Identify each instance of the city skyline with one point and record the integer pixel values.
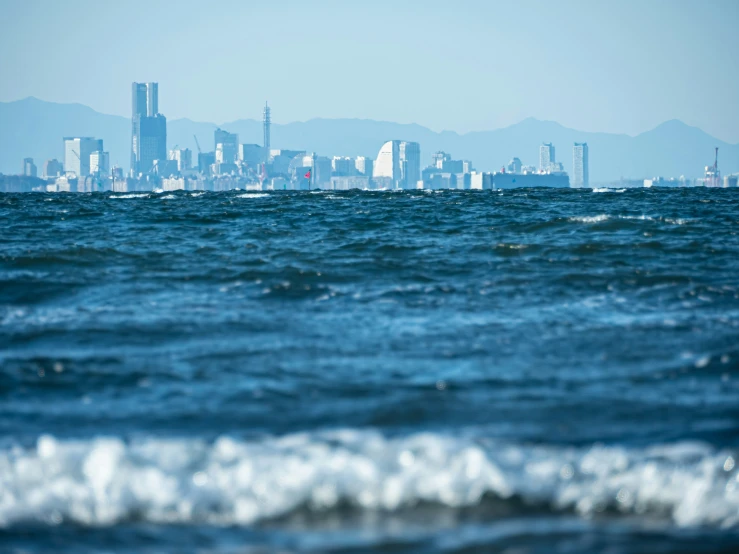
(594, 79)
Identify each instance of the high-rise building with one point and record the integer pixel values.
(53, 168)
(227, 146)
(205, 161)
(251, 155)
(77, 152)
(267, 125)
(99, 163)
(546, 156)
(514, 166)
(580, 169)
(438, 159)
(149, 128)
(399, 163)
(343, 166)
(364, 165)
(29, 168)
(410, 159)
(183, 157)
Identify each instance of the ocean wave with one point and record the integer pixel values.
(253, 195)
(589, 218)
(105, 481)
(607, 189)
(143, 195)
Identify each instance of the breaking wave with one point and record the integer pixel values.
(105, 481)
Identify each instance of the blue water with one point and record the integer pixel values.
(519, 371)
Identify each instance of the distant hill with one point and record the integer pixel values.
(35, 128)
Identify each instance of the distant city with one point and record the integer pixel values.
(234, 165)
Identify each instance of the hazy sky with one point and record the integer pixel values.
(594, 65)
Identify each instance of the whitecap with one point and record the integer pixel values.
(104, 481)
(252, 195)
(146, 195)
(589, 218)
(607, 189)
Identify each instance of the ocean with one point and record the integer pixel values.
(518, 371)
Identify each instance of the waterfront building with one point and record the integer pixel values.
(580, 169)
(364, 166)
(53, 168)
(29, 168)
(251, 155)
(226, 146)
(148, 128)
(546, 156)
(361, 182)
(205, 161)
(77, 151)
(511, 180)
(183, 157)
(99, 163)
(438, 159)
(398, 164)
(165, 168)
(480, 180)
(514, 166)
(343, 166)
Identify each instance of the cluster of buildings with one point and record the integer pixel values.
(232, 164)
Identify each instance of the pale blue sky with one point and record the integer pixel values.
(612, 66)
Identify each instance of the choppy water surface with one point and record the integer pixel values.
(518, 371)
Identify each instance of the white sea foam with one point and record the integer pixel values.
(252, 195)
(144, 195)
(589, 218)
(106, 480)
(606, 189)
(197, 194)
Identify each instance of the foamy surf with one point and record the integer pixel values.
(105, 481)
(143, 195)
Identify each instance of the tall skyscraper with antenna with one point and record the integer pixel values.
(267, 122)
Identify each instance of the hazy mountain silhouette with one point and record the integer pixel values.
(35, 128)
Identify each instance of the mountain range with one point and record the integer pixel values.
(34, 128)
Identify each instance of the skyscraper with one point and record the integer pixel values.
(100, 163)
(77, 152)
(29, 168)
(53, 168)
(227, 146)
(398, 163)
(580, 169)
(149, 128)
(410, 159)
(267, 124)
(364, 165)
(546, 156)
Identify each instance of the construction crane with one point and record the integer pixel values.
(197, 144)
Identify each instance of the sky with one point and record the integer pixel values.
(601, 66)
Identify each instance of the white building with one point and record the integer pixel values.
(343, 166)
(546, 156)
(580, 169)
(100, 163)
(364, 165)
(398, 164)
(183, 157)
(77, 152)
